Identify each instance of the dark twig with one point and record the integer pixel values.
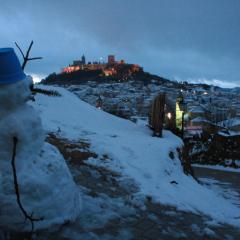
(26, 57)
(46, 92)
(29, 217)
(20, 50)
(35, 58)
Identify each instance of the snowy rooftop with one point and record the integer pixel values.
(196, 109)
(200, 119)
(232, 122)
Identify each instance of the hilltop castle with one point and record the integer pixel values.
(111, 68)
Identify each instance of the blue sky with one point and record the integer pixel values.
(179, 39)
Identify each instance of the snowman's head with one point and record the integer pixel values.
(15, 94)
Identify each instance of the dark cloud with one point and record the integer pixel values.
(174, 38)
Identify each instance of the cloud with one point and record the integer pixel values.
(188, 38)
(214, 82)
(37, 77)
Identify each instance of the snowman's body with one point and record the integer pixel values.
(46, 186)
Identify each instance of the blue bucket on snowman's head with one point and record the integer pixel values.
(10, 68)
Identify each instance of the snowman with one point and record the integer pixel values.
(35, 183)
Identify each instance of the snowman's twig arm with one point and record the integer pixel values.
(35, 58)
(20, 50)
(26, 57)
(29, 217)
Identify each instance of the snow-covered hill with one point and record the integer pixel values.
(134, 153)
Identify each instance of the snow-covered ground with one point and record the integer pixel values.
(134, 153)
(222, 188)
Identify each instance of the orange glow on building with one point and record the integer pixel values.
(84, 67)
(110, 72)
(109, 69)
(70, 69)
(94, 66)
(136, 68)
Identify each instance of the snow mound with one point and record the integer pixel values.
(47, 190)
(134, 153)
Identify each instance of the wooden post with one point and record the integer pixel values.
(156, 119)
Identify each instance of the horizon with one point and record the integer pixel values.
(183, 41)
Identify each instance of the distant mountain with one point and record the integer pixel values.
(236, 90)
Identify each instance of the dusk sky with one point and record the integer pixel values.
(193, 40)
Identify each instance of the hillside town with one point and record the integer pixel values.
(205, 110)
(125, 90)
(206, 117)
(195, 112)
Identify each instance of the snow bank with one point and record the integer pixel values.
(135, 153)
(47, 191)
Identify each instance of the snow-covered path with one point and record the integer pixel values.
(226, 183)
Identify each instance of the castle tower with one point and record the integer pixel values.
(111, 59)
(83, 60)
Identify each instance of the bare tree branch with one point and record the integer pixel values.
(27, 216)
(35, 58)
(20, 50)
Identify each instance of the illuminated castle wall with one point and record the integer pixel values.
(109, 69)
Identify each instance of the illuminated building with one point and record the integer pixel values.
(95, 66)
(169, 115)
(70, 69)
(79, 62)
(112, 68)
(179, 113)
(136, 68)
(111, 59)
(110, 72)
(179, 116)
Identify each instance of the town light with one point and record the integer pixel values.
(169, 115)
